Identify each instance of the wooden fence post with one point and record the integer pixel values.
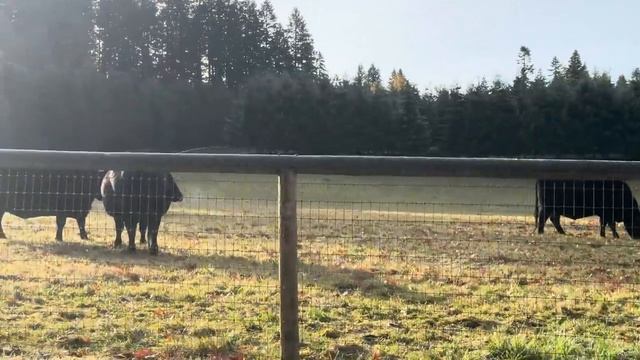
(288, 228)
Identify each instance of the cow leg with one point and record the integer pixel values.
(603, 225)
(81, 219)
(130, 223)
(612, 225)
(542, 219)
(143, 231)
(61, 220)
(154, 225)
(119, 226)
(555, 220)
(2, 235)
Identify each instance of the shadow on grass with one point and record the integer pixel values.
(342, 280)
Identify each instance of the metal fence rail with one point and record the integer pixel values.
(379, 256)
(324, 165)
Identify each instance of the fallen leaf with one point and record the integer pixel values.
(143, 354)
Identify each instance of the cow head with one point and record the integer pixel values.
(633, 227)
(632, 221)
(174, 191)
(96, 184)
(633, 230)
(177, 194)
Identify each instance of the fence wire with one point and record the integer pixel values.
(389, 268)
(212, 292)
(455, 268)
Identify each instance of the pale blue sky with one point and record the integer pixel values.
(460, 41)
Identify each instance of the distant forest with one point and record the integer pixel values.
(170, 75)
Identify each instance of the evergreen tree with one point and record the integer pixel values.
(360, 77)
(635, 74)
(448, 123)
(523, 78)
(212, 16)
(373, 80)
(576, 70)
(556, 70)
(254, 56)
(411, 128)
(634, 82)
(125, 34)
(539, 81)
(234, 66)
(178, 42)
(301, 43)
(321, 68)
(533, 116)
(275, 43)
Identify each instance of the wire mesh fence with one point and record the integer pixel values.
(455, 268)
(211, 292)
(388, 267)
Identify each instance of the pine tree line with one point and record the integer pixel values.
(568, 113)
(169, 75)
(212, 41)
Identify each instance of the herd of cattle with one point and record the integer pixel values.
(132, 198)
(136, 198)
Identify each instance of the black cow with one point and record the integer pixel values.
(136, 197)
(60, 193)
(611, 200)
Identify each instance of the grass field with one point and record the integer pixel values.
(390, 268)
